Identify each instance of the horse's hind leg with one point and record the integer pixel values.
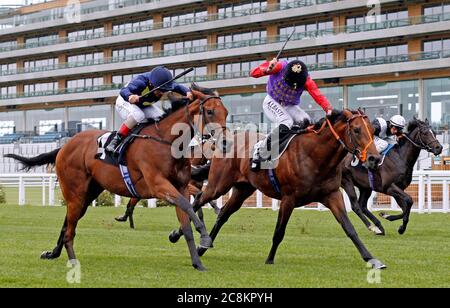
(349, 188)
(74, 213)
(335, 203)
(286, 207)
(364, 196)
(240, 193)
(129, 212)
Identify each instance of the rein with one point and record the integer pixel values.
(421, 146)
(356, 152)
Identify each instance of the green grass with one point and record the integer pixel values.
(315, 251)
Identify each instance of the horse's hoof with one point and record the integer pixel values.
(120, 219)
(384, 215)
(401, 230)
(270, 262)
(201, 251)
(206, 242)
(199, 267)
(376, 230)
(376, 264)
(174, 236)
(48, 255)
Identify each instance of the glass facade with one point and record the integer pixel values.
(41, 39)
(85, 33)
(386, 99)
(50, 87)
(45, 120)
(436, 45)
(312, 59)
(185, 44)
(30, 65)
(237, 67)
(240, 6)
(123, 79)
(174, 20)
(11, 122)
(84, 83)
(8, 91)
(135, 26)
(8, 67)
(437, 102)
(443, 8)
(241, 36)
(85, 57)
(89, 117)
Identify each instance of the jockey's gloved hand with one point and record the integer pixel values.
(329, 112)
(190, 96)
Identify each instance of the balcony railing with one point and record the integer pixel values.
(223, 46)
(162, 25)
(243, 74)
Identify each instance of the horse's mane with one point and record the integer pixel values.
(336, 116)
(206, 91)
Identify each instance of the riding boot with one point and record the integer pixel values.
(265, 151)
(114, 144)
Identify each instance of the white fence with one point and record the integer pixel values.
(430, 192)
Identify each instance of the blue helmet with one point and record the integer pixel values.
(159, 75)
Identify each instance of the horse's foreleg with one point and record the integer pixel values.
(364, 196)
(239, 195)
(286, 207)
(335, 202)
(349, 188)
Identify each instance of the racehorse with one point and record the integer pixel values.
(154, 170)
(201, 154)
(392, 177)
(309, 171)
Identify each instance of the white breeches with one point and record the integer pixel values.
(125, 110)
(287, 115)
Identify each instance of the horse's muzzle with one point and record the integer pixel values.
(373, 161)
(437, 150)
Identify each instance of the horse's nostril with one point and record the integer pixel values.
(371, 158)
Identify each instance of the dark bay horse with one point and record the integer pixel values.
(154, 170)
(309, 171)
(201, 154)
(392, 177)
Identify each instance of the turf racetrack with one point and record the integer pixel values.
(314, 253)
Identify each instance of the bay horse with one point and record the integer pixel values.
(392, 177)
(200, 157)
(155, 172)
(309, 171)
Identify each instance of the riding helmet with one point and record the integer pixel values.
(296, 74)
(398, 121)
(160, 75)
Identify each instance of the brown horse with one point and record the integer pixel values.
(154, 170)
(201, 154)
(309, 171)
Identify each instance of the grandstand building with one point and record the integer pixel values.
(62, 62)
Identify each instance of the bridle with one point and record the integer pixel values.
(353, 149)
(421, 145)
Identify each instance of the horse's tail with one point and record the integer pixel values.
(200, 174)
(40, 160)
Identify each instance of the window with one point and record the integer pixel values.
(222, 39)
(144, 50)
(312, 59)
(85, 57)
(32, 65)
(367, 53)
(85, 34)
(443, 8)
(40, 40)
(129, 27)
(9, 91)
(84, 83)
(236, 67)
(123, 79)
(386, 16)
(231, 8)
(302, 28)
(179, 46)
(437, 45)
(175, 20)
(9, 67)
(8, 44)
(30, 89)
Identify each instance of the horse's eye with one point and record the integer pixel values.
(210, 112)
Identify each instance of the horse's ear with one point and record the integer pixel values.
(427, 122)
(414, 118)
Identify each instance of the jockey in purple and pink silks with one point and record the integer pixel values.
(287, 82)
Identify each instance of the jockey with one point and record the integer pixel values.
(286, 84)
(134, 109)
(388, 132)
